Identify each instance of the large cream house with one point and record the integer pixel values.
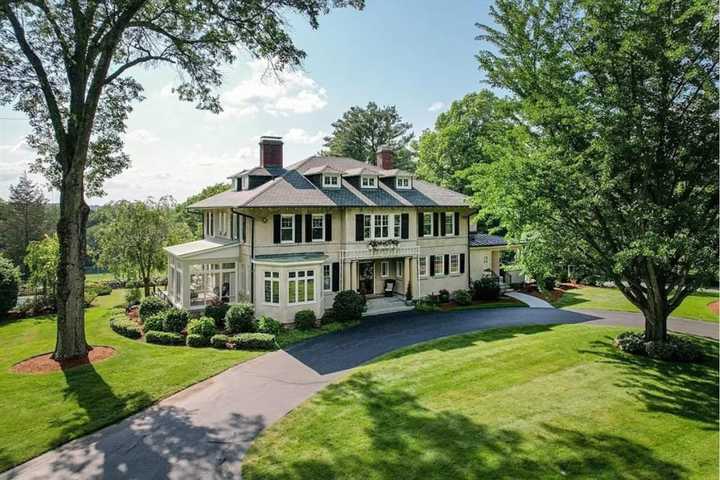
(288, 238)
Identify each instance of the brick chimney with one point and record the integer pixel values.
(271, 152)
(384, 158)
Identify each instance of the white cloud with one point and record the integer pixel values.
(14, 160)
(298, 135)
(276, 93)
(436, 106)
(141, 136)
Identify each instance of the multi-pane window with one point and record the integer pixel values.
(272, 287)
(287, 228)
(427, 223)
(318, 228)
(368, 182)
(327, 277)
(331, 181)
(301, 287)
(402, 183)
(439, 264)
(422, 266)
(450, 223)
(382, 226)
(384, 269)
(455, 263)
(396, 225)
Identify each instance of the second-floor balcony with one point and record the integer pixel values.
(380, 249)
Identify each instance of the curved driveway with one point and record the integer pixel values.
(203, 431)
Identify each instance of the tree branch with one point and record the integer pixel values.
(132, 63)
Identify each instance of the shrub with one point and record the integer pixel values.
(101, 288)
(90, 295)
(9, 285)
(547, 284)
(203, 326)
(154, 323)
(133, 297)
(239, 318)
(222, 341)
(328, 317)
(674, 348)
(462, 297)
(426, 304)
(631, 342)
(175, 320)
(305, 319)
(487, 288)
(217, 310)
(269, 325)
(194, 340)
(150, 306)
(348, 306)
(125, 327)
(444, 296)
(164, 338)
(254, 341)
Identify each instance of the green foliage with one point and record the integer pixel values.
(222, 341)
(305, 319)
(443, 296)
(101, 290)
(175, 320)
(269, 325)
(195, 340)
(462, 297)
(164, 338)
(362, 131)
(90, 295)
(203, 326)
(9, 285)
(42, 262)
(254, 341)
(150, 306)
(217, 311)
(125, 327)
(348, 306)
(617, 172)
(239, 318)
(133, 296)
(426, 304)
(154, 323)
(486, 288)
(674, 348)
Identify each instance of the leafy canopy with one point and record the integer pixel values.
(42, 261)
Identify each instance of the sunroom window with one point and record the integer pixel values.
(211, 282)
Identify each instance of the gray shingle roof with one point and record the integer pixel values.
(486, 240)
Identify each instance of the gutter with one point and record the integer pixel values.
(252, 253)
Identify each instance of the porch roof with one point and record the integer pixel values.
(199, 246)
(305, 257)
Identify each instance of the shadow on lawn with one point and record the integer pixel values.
(682, 389)
(410, 441)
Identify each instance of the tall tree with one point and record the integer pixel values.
(360, 132)
(194, 219)
(467, 134)
(67, 65)
(24, 218)
(130, 244)
(620, 168)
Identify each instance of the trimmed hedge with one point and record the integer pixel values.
(269, 325)
(175, 320)
(348, 306)
(164, 338)
(194, 340)
(239, 318)
(203, 326)
(254, 341)
(151, 306)
(154, 323)
(305, 319)
(462, 297)
(125, 327)
(221, 341)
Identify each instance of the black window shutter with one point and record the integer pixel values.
(436, 224)
(328, 227)
(308, 228)
(212, 224)
(232, 226)
(359, 227)
(243, 224)
(442, 224)
(432, 265)
(462, 263)
(421, 224)
(298, 228)
(447, 264)
(336, 276)
(404, 226)
(204, 223)
(276, 228)
(457, 223)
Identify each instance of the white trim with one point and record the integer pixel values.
(429, 234)
(427, 267)
(326, 176)
(457, 271)
(403, 187)
(297, 281)
(330, 276)
(292, 227)
(384, 266)
(274, 280)
(451, 232)
(372, 181)
(441, 272)
(321, 216)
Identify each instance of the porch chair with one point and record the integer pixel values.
(389, 288)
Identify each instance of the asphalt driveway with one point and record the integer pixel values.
(203, 431)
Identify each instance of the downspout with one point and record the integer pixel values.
(252, 254)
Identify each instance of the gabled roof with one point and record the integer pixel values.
(270, 171)
(291, 188)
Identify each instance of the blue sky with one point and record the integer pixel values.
(416, 55)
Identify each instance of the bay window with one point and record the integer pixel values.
(272, 288)
(301, 287)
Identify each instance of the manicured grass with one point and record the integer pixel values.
(694, 307)
(288, 337)
(534, 402)
(43, 411)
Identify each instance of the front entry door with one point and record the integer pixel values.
(367, 278)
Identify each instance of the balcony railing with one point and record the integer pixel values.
(379, 251)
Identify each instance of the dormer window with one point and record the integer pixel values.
(331, 181)
(245, 182)
(402, 183)
(368, 181)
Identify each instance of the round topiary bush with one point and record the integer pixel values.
(673, 349)
(239, 318)
(348, 306)
(305, 319)
(175, 320)
(194, 340)
(150, 306)
(9, 285)
(125, 327)
(154, 323)
(269, 325)
(203, 326)
(462, 297)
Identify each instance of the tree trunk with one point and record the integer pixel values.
(655, 324)
(146, 285)
(74, 212)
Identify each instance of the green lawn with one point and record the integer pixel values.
(534, 402)
(43, 411)
(694, 307)
(98, 277)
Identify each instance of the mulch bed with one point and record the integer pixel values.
(714, 307)
(44, 364)
(555, 295)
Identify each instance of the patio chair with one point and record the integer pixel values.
(389, 288)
